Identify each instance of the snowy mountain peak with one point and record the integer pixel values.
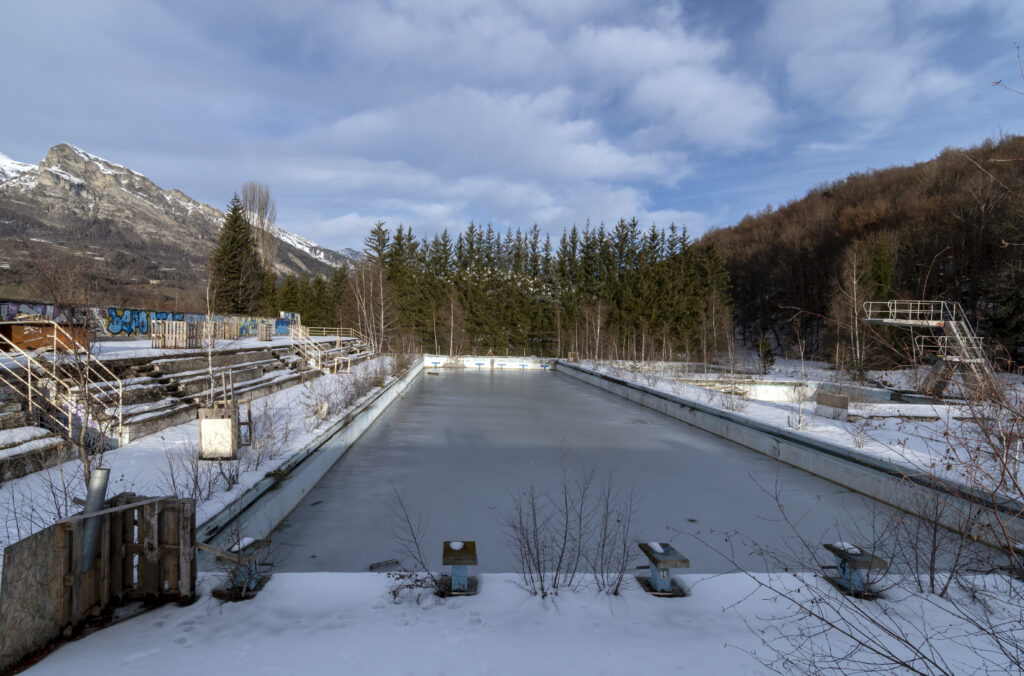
(105, 166)
(11, 169)
(71, 188)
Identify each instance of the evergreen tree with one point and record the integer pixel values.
(236, 276)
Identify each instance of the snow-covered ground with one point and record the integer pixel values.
(347, 623)
(159, 464)
(932, 437)
(328, 623)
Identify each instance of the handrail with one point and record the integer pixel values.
(105, 371)
(30, 389)
(915, 310)
(308, 348)
(67, 389)
(323, 331)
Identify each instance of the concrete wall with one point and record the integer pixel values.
(126, 322)
(792, 391)
(904, 487)
(258, 511)
(486, 363)
(33, 587)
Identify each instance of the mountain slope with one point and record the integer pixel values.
(72, 193)
(951, 228)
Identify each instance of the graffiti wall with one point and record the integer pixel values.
(123, 322)
(11, 309)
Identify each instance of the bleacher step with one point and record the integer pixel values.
(30, 456)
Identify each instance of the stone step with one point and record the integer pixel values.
(16, 436)
(30, 456)
(141, 423)
(200, 361)
(12, 419)
(135, 390)
(252, 389)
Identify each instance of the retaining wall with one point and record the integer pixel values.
(904, 487)
(487, 363)
(259, 510)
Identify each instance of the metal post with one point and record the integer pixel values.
(94, 499)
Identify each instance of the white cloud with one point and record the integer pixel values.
(860, 60)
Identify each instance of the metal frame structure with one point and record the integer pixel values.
(958, 348)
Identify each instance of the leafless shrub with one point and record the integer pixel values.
(247, 566)
(270, 434)
(554, 536)
(184, 475)
(408, 532)
(40, 499)
(612, 549)
(323, 398)
(229, 472)
(918, 617)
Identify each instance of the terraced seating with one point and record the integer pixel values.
(177, 386)
(155, 394)
(27, 449)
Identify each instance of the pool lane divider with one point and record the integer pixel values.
(903, 486)
(262, 507)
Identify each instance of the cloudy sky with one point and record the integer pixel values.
(552, 112)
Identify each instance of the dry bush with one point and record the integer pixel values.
(408, 532)
(184, 475)
(270, 434)
(555, 535)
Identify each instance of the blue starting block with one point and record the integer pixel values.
(436, 363)
(663, 558)
(501, 367)
(479, 365)
(522, 366)
(854, 566)
(460, 554)
(545, 366)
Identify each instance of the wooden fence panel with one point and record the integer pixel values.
(146, 551)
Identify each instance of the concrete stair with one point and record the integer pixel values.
(28, 449)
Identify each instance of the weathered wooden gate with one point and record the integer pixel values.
(146, 551)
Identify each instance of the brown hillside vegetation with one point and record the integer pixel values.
(951, 228)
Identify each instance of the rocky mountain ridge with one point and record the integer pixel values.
(72, 189)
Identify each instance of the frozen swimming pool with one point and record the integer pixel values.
(460, 442)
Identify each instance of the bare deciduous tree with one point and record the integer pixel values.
(261, 212)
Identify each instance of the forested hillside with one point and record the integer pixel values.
(951, 228)
(619, 293)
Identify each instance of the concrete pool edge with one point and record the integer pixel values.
(257, 511)
(903, 487)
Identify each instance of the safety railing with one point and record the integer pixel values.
(913, 311)
(309, 349)
(26, 376)
(50, 383)
(323, 331)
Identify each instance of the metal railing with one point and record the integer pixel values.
(323, 331)
(923, 311)
(309, 349)
(959, 344)
(48, 380)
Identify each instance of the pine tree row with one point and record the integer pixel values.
(619, 293)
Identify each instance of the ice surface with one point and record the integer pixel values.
(461, 444)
